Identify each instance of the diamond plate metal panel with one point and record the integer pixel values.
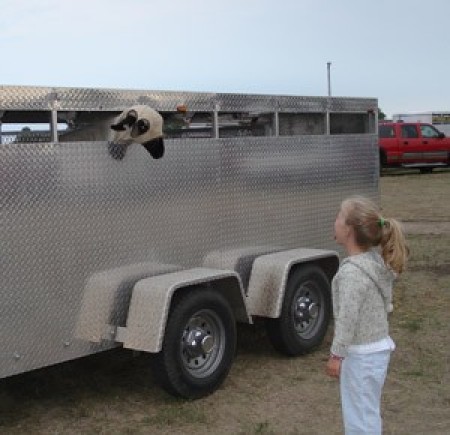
(69, 211)
(353, 105)
(113, 99)
(280, 191)
(60, 98)
(25, 98)
(302, 104)
(246, 103)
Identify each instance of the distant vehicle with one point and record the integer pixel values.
(413, 145)
(440, 120)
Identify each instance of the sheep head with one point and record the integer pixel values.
(138, 124)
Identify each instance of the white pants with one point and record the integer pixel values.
(361, 383)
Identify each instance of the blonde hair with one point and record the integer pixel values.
(372, 229)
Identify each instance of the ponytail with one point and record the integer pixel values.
(393, 245)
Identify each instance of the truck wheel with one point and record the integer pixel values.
(305, 313)
(199, 345)
(426, 170)
(383, 161)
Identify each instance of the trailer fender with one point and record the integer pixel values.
(270, 274)
(151, 300)
(106, 298)
(240, 260)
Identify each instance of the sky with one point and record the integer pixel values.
(394, 50)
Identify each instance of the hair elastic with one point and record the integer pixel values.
(381, 222)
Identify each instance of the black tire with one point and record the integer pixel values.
(426, 170)
(199, 345)
(382, 161)
(305, 313)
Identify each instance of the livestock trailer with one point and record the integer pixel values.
(232, 224)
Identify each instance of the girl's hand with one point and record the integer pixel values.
(334, 367)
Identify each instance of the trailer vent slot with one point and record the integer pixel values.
(352, 123)
(245, 124)
(296, 124)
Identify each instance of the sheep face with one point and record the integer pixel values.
(139, 124)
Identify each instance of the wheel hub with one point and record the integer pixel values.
(305, 309)
(198, 342)
(202, 343)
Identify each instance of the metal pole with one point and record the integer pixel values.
(276, 123)
(216, 121)
(54, 117)
(54, 125)
(327, 120)
(329, 78)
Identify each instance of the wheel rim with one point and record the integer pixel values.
(307, 309)
(202, 343)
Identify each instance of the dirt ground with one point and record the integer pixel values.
(265, 393)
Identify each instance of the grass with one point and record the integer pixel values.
(265, 393)
(412, 325)
(173, 415)
(421, 322)
(421, 197)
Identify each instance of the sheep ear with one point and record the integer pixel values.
(155, 147)
(117, 127)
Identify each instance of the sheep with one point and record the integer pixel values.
(143, 125)
(138, 124)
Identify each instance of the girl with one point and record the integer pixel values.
(362, 299)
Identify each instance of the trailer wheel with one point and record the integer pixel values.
(305, 313)
(199, 345)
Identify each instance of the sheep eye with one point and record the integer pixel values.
(143, 125)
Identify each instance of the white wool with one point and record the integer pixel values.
(143, 112)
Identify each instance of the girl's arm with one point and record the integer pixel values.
(350, 294)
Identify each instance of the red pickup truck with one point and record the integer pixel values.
(416, 145)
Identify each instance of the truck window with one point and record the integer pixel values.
(409, 131)
(386, 131)
(429, 131)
